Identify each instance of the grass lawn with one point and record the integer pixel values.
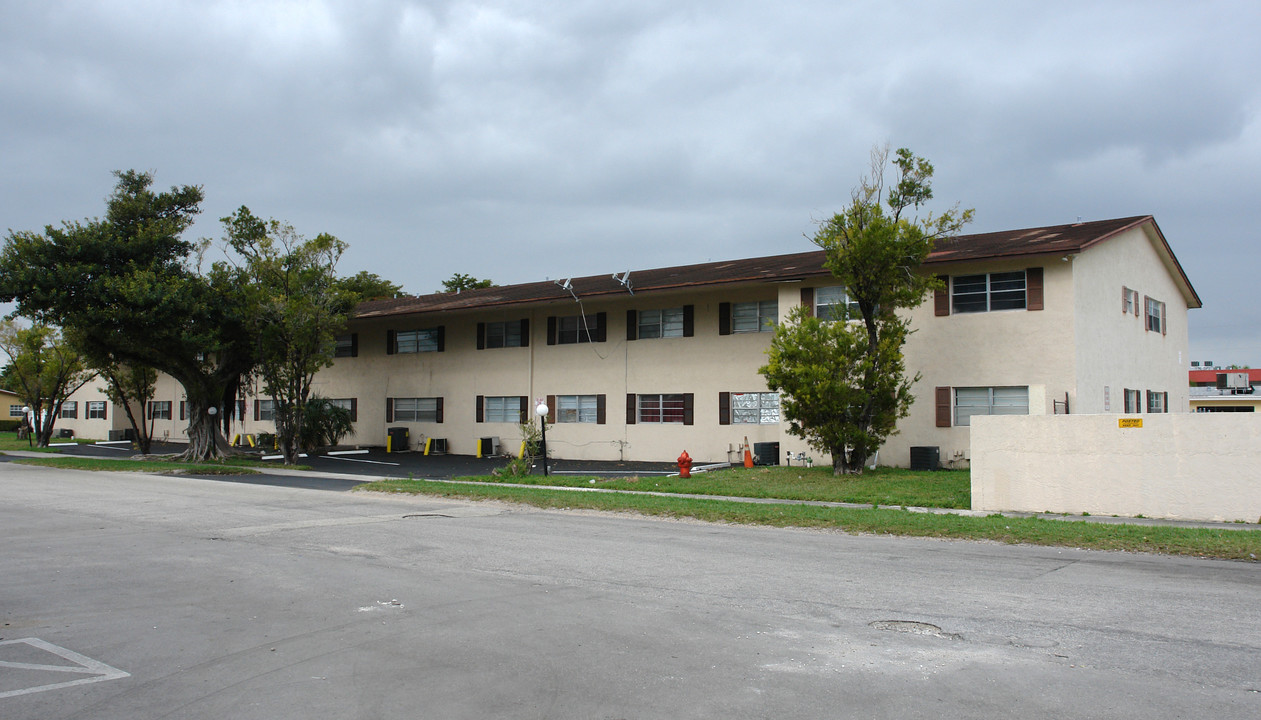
(1196, 542)
(885, 486)
(9, 441)
(227, 467)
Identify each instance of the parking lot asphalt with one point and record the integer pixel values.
(376, 462)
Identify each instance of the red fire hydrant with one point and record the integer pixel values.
(685, 465)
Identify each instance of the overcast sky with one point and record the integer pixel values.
(526, 140)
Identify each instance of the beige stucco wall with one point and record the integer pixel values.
(1114, 350)
(704, 365)
(1032, 348)
(1185, 466)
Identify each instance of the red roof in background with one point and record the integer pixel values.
(1210, 376)
(1056, 239)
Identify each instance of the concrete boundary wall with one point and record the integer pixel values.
(1185, 466)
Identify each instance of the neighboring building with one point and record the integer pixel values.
(1083, 318)
(1214, 390)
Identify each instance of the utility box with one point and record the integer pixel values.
(126, 434)
(766, 453)
(925, 458)
(396, 439)
(65, 432)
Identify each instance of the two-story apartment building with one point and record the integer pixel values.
(1088, 317)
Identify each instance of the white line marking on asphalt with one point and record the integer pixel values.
(374, 462)
(113, 442)
(83, 666)
(347, 452)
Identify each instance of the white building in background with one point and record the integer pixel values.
(1082, 318)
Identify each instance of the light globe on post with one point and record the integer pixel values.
(541, 410)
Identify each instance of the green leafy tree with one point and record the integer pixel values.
(46, 370)
(370, 286)
(459, 282)
(132, 388)
(843, 382)
(300, 307)
(131, 288)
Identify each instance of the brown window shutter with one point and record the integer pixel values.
(481, 336)
(523, 409)
(630, 409)
(689, 320)
(601, 326)
(479, 413)
(354, 409)
(440, 404)
(807, 300)
(442, 338)
(551, 329)
(943, 406)
(525, 332)
(551, 409)
(1164, 319)
(1146, 325)
(389, 410)
(632, 325)
(600, 409)
(1033, 288)
(389, 342)
(183, 410)
(104, 411)
(240, 409)
(941, 297)
(256, 409)
(149, 411)
(724, 318)
(1125, 300)
(689, 412)
(724, 408)
(354, 344)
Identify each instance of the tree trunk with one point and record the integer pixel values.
(205, 442)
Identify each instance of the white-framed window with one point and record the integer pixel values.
(505, 409)
(971, 401)
(1157, 402)
(661, 408)
(95, 410)
(159, 409)
(1133, 401)
(70, 410)
(834, 303)
(988, 292)
(503, 334)
(416, 341)
(661, 323)
(755, 408)
(1129, 301)
(751, 317)
(416, 409)
(577, 408)
(266, 409)
(15, 411)
(1154, 312)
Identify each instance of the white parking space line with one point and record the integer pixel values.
(98, 671)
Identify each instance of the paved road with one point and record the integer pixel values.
(185, 598)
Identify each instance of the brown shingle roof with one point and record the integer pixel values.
(777, 268)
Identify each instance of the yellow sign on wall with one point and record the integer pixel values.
(1130, 423)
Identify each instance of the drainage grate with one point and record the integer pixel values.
(914, 627)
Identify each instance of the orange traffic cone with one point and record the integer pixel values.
(748, 454)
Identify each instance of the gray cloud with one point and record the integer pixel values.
(518, 140)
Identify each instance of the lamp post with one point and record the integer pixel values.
(29, 423)
(541, 411)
